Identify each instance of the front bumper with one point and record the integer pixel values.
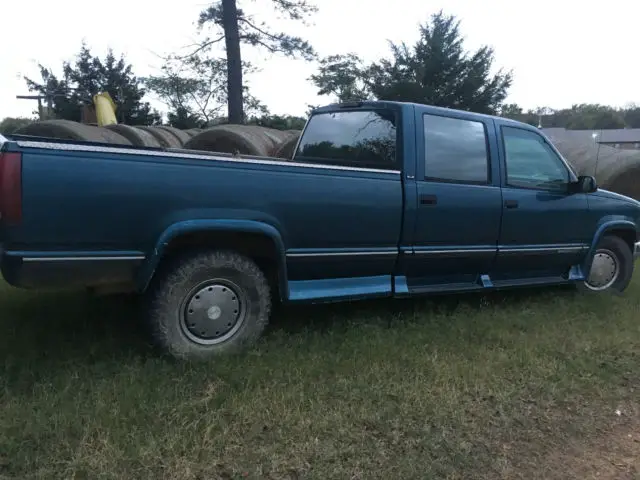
(636, 250)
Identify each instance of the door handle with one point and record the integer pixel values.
(511, 203)
(428, 199)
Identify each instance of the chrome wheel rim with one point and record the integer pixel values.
(604, 270)
(213, 312)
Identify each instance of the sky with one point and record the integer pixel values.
(561, 52)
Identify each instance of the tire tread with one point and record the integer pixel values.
(167, 294)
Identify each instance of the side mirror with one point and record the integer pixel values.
(586, 184)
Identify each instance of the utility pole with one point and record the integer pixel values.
(39, 98)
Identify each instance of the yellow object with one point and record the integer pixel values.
(105, 109)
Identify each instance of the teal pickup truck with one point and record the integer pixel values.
(380, 199)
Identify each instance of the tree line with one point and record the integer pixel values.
(586, 116)
(206, 83)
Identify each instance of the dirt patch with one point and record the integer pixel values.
(615, 454)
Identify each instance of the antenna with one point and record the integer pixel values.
(595, 135)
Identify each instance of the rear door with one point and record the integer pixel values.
(459, 201)
(341, 215)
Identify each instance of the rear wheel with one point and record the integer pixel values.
(209, 304)
(612, 267)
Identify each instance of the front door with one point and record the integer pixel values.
(543, 231)
(459, 202)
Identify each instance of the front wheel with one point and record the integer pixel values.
(209, 304)
(612, 267)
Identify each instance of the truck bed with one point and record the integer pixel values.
(86, 203)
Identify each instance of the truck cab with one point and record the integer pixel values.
(486, 202)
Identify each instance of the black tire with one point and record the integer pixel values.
(614, 252)
(228, 281)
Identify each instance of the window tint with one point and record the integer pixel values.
(531, 162)
(455, 150)
(353, 138)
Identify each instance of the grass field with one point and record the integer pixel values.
(541, 384)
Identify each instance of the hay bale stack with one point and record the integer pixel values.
(137, 136)
(241, 139)
(617, 170)
(176, 132)
(192, 132)
(276, 137)
(165, 137)
(287, 148)
(68, 130)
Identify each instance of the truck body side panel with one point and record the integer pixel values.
(334, 223)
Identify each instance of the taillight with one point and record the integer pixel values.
(10, 187)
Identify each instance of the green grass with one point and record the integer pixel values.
(500, 386)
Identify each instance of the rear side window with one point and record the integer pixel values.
(455, 150)
(358, 138)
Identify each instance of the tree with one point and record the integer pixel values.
(89, 75)
(435, 70)
(631, 115)
(195, 90)
(510, 110)
(11, 124)
(279, 122)
(344, 76)
(592, 117)
(584, 116)
(225, 21)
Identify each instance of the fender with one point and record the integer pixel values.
(148, 268)
(607, 224)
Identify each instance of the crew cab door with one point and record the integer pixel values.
(544, 226)
(459, 203)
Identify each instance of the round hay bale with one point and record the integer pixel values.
(192, 132)
(287, 148)
(614, 169)
(231, 139)
(627, 182)
(176, 132)
(279, 135)
(68, 130)
(274, 136)
(137, 136)
(164, 137)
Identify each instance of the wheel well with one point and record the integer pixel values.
(626, 234)
(258, 247)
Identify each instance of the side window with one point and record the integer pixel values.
(355, 138)
(455, 150)
(531, 162)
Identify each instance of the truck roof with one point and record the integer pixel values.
(417, 106)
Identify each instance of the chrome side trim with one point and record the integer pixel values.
(193, 156)
(341, 254)
(542, 250)
(82, 259)
(455, 251)
(449, 251)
